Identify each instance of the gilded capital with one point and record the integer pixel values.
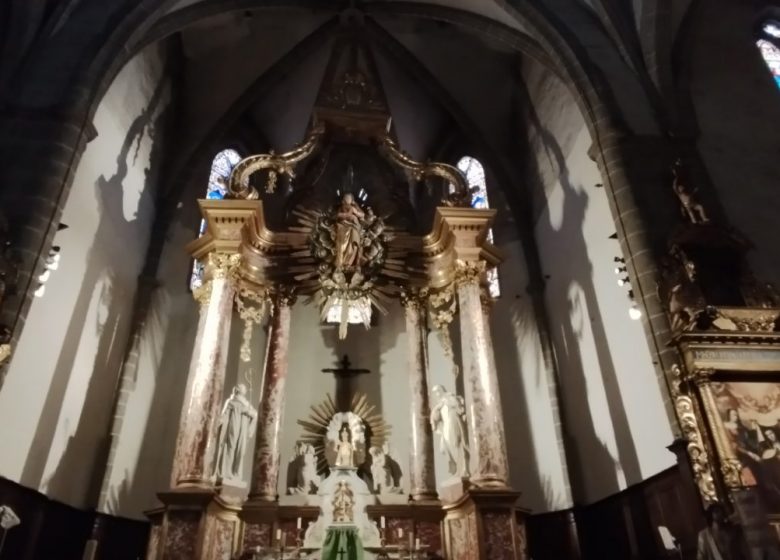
(469, 272)
(414, 298)
(285, 296)
(222, 265)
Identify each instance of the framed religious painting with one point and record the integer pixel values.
(744, 413)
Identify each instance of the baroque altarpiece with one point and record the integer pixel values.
(347, 222)
(726, 389)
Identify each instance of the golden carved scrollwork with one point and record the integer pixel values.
(461, 195)
(731, 469)
(689, 424)
(252, 307)
(277, 164)
(469, 272)
(730, 465)
(414, 298)
(442, 308)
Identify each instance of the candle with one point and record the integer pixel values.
(400, 533)
(298, 524)
(278, 535)
(417, 544)
(382, 522)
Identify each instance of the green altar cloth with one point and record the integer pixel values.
(342, 543)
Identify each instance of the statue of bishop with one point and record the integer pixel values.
(235, 427)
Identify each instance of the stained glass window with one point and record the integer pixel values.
(475, 177)
(221, 166)
(768, 45)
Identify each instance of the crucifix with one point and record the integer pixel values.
(341, 551)
(344, 375)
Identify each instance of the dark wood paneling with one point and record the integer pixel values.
(623, 526)
(50, 529)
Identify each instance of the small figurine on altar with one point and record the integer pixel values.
(344, 449)
(343, 504)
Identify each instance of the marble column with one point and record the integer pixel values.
(421, 469)
(265, 469)
(192, 464)
(489, 465)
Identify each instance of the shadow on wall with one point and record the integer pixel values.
(508, 326)
(598, 463)
(112, 225)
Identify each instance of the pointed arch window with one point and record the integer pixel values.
(221, 166)
(475, 178)
(769, 45)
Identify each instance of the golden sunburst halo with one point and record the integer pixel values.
(315, 428)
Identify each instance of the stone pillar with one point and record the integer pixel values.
(203, 397)
(489, 467)
(265, 469)
(421, 469)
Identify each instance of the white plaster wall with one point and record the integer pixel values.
(612, 403)
(537, 463)
(56, 400)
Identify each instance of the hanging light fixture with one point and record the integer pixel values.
(634, 312)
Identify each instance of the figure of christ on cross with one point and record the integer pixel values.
(344, 375)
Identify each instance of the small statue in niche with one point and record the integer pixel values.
(691, 208)
(235, 427)
(343, 503)
(302, 477)
(385, 471)
(344, 449)
(448, 420)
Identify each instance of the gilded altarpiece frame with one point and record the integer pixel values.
(736, 380)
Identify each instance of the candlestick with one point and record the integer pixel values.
(411, 542)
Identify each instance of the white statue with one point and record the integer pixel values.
(302, 472)
(344, 450)
(235, 427)
(448, 420)
(309, 477)
(379, 469)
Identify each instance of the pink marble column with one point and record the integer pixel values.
(265, 470)
(192, 464)
(421, 470)
(489, 465)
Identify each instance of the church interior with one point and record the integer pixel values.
(389, 279)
